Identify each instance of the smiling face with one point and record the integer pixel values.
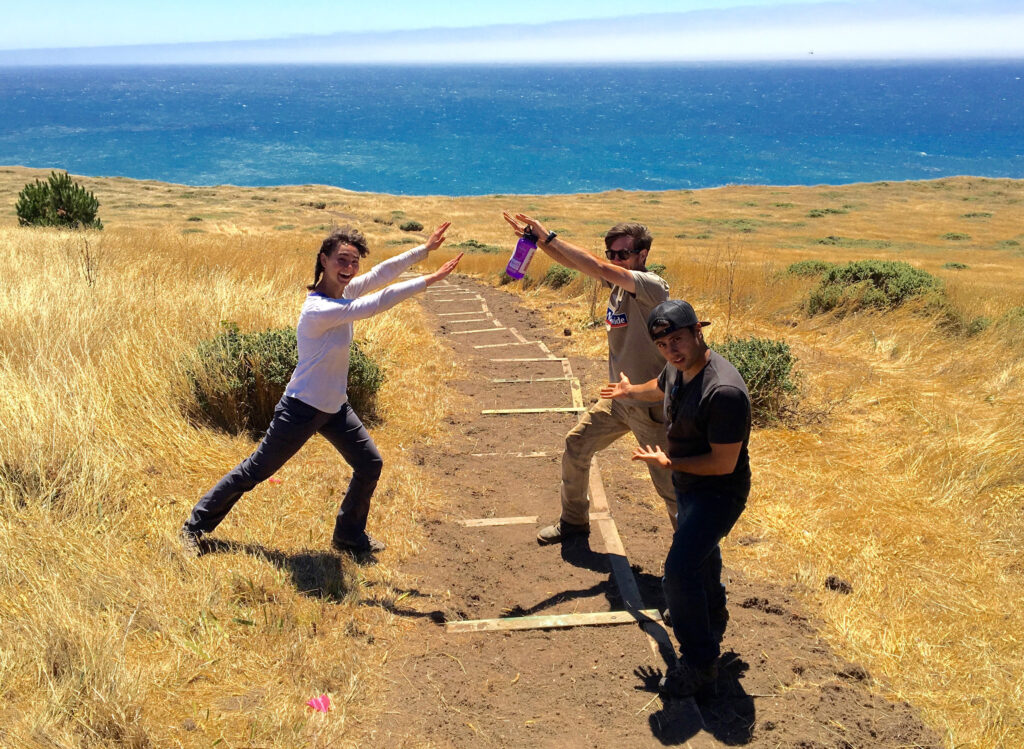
(684, 349)
(633, 260)
(340, 267)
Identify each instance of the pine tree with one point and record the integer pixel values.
(58, 202)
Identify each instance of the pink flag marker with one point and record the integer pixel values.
(274, 480)
(321, 704)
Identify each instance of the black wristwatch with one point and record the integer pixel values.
(551, 235)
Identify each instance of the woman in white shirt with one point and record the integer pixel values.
(315, 399)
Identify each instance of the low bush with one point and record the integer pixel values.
(237, 378)
(767, 368)
(558, 276)
(880, 284)
(820, 212)
(505, 279)
(60, 201)
(955, 236)
(955, 266)
(978, 325)
(411, 226)
(658, 268)
(809, 268)
(472, 245)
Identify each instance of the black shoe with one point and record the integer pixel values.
(365, 544)
(560, 531)
(684, 680)
(191, 542)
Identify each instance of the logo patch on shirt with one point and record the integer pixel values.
(616, 319)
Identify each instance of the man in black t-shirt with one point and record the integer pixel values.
(707, 417)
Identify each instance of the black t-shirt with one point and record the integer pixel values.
(713, 407)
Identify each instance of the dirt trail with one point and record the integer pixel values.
(587, 685)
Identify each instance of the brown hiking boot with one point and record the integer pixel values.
(560, 531)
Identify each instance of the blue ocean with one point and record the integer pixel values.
(473, 130)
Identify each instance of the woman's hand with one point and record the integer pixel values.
(653, 455)
(437, 238)
(620, 389)
(533, 224)
(444, 270)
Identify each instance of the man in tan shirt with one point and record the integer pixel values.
(635, 291)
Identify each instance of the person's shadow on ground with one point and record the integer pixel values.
(317, 574)
(728, 714)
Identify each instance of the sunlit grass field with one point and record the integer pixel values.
(900, 472)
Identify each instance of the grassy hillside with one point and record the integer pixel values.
(900, 472)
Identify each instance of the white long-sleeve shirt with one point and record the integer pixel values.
(324, 330)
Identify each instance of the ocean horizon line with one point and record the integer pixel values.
(499, 194)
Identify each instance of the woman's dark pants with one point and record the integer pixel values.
(693, 570)
(293, 424)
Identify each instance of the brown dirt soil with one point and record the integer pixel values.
(779, 683)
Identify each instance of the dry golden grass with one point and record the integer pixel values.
(903, 475)
(108, 636)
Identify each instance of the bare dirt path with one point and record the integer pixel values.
(586, 685)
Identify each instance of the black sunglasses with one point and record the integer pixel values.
(620, 254)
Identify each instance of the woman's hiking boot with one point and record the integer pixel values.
(364, 544)
(191, 542)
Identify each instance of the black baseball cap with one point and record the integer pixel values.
(670, 316)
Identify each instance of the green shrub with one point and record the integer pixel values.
(658, 268)
(472, 245)
(194, 218)
(882, 284)
(318, 204)
(978, 325)
(505, 279)
(558, 276)
(809, 268)
(237, 378)
(820, 212)
(977, 214)
(955, 266)
(955, 236)
(383, 220)
(767, 368)
(57, 202)
(411, 226)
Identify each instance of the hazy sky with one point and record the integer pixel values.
(524, 31)
(88, 23)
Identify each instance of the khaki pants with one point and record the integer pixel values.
(605, 422)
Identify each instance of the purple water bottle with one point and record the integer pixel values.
(522, 254)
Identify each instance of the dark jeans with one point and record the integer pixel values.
(693, 570)
(293, 424)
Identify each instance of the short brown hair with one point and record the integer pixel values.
(641, 237)
(338, 237)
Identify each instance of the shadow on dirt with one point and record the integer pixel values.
(728, 714)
